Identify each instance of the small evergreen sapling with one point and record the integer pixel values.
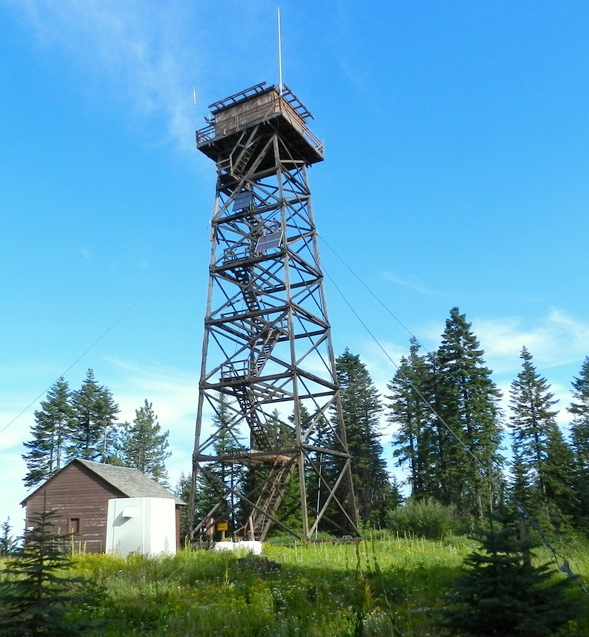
(38, 597)
(502, 594)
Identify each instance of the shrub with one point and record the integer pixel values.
(424, 518)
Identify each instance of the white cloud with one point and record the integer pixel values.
(12, 434)
(554, 340)
(173, 392)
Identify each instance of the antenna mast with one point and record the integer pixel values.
(280, 84)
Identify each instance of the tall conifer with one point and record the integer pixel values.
(543, 463)
(410, 408)
(579, 408)
(50, 435)
(362, 408)
(96, 424)
(469, 431)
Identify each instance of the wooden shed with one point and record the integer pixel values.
(80, 492)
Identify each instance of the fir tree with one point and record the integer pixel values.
(289, 512)
(257, 478)
(95, 433)
(410, 408)
(543, 462)
(501, 594)
(579, 408)
(143, 446)
(50, 435)
(8, 543)
(182, 491)
(469, 432)
(38, 597)
(361, 407)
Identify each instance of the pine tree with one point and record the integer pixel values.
(543, 462)
(501, 594)
(143, 446)
(410, 408)
(50, 435)
(469, 431)
(361, 407)
(95, 433)
(289, 512)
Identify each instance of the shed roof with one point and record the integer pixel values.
(132, 483)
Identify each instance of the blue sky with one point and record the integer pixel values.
(456, 174)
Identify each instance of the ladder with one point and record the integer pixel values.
(270, 498)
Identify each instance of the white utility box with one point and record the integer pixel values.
(141, 525)
(250, 546)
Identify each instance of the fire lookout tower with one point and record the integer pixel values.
(269, 429)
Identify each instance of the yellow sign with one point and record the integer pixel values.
(222, 526)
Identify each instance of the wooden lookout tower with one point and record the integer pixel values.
(270, 445)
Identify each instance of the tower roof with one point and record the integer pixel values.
(258, 89)
(270, 109)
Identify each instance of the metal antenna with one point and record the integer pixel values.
(279, 53)
(194, 104)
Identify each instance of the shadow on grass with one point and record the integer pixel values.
(322, 591)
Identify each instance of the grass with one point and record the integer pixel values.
(375, 588)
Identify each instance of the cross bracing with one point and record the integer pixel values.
(268, 384)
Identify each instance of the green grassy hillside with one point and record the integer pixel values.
(379, 587)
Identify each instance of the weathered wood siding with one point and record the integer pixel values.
(77, 494)
(254, 109)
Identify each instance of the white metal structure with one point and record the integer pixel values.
(141, 525)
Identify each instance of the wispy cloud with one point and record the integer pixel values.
(173, 392)
(13, 490)
(414, 285)
(139, 48)
(554, 340)
(558, 342)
